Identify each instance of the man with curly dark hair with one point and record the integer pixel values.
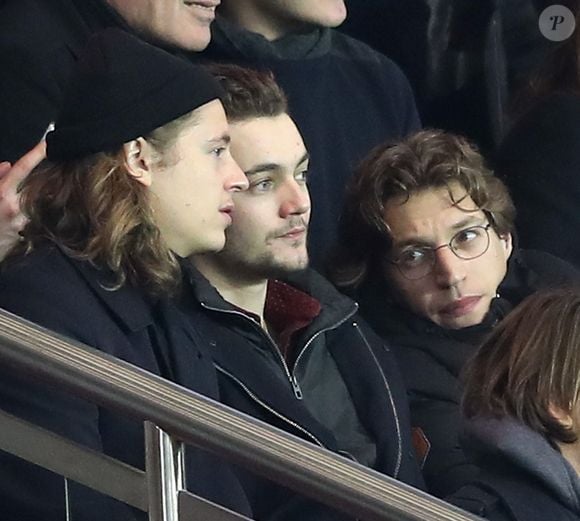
(427, 249)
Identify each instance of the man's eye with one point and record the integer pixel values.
(469, 235)
(262, 186)
(218, 151)
(302, 177)
(412, 257)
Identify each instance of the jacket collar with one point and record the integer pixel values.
(273, 388)
(130, 305)
(87, 17)
(336, 307)
(98, 14)
(514, 443)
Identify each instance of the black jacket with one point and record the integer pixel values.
(339, 360)
(345, 98)
(539, 160)
(523, 476)
(40, 41)
(431, 359)
(67, 296)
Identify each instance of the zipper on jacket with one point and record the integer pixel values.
(268, 408)
(387, 386)
(291, 378)
(318, 333)
(296, 387)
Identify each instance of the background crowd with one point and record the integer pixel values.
(351, 220)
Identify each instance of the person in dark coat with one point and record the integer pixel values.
(289, 349)
(345, 96)
(40, 40)
(539, 159)
(427, 250)
(465, 60)
(522, 411)
(122, 198)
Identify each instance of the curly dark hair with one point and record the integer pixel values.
(427, 159)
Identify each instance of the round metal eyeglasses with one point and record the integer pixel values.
(416, 262)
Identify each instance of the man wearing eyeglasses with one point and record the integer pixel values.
(427, 249)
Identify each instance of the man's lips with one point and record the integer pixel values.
(209, 4)
(461, 307)
(227, 210)
(202, 9)
(294, 233)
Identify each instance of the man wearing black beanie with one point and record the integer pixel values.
(139, 175)
(40, 40)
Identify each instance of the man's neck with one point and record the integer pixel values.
(249, 295)
(252, 18)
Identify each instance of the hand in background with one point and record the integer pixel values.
(11, 218)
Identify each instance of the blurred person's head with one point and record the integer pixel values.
(429, 217)
(268, 235)
(275, 18)
(184, 24)
(528, 369)
(139, 171)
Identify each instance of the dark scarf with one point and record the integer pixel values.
(229, 39)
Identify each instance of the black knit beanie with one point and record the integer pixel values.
(124, 88)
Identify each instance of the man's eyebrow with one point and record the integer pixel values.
(224, 139)
(262, 167)
(303, 159)
(413, 241)
(472, 220)
(271, 167)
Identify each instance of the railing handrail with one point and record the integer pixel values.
(202, 422)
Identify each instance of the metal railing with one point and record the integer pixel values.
(175, 415)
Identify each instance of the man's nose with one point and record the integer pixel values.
(295, 199)
(235, 179)
(449, 268)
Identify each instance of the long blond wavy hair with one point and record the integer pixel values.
(96, 211)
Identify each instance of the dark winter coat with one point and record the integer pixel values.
(40, 41)
(464, 59)
(67, 296)
(540, 162)
(339, 360)
(523, 476)
(431, 359)
(345, 98)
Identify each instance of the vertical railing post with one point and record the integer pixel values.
(164, 464)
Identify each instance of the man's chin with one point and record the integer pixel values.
(280, 268)
(469, 320)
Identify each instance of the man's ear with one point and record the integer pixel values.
(507, 244)
(564, 417)
(139, 160)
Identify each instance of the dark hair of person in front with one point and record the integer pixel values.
(96, 212)
(249, 93)
(425, 160)
(529, 364)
